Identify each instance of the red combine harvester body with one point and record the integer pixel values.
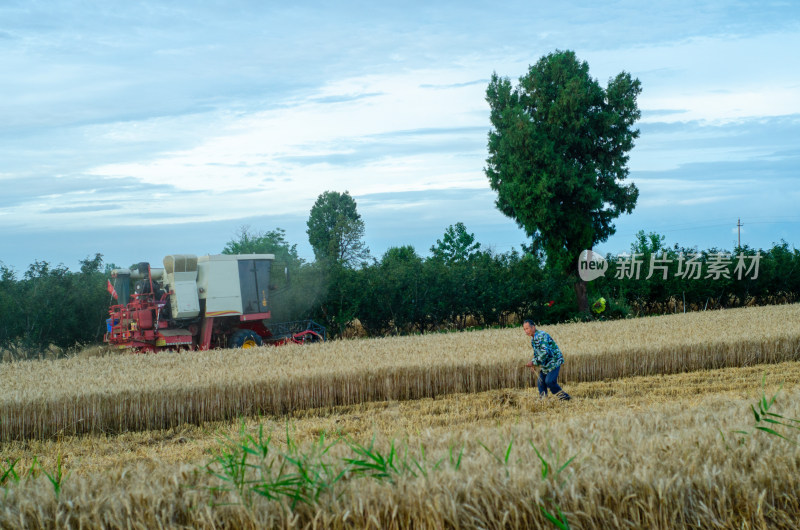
(215, 301)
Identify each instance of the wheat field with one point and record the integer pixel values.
(652, 452)
(121, 393)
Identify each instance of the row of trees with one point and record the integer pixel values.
(460, 283)
(457, 285)
(52, 309)
(654, 279)
(403, 292)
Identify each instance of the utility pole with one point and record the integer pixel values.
(739, 230)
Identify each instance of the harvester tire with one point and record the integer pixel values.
(245, 338)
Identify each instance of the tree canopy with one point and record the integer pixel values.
(336, 230)
(558, 153)
(457, 245)
(287, 262)
(270, 242)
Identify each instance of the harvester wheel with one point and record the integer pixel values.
(245, 338)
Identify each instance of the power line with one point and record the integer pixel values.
(681, 227)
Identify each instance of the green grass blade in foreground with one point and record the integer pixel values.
(775, 433)
(763, 415)
(9, 473)
(559, 522)
(371, 462)
(545, 464)
(56, 478)
(507, 454)
(456, 463)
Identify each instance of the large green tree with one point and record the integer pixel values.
(558, 154)
(336, 230)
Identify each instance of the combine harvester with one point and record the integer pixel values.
(215, 301)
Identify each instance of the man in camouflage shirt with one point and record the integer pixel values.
(548, 358)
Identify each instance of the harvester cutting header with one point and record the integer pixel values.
(215, 301)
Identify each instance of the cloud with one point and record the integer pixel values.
(667, 145)
(39, 189)
(344, 98)
(436, 131)
(82, 209)
(482, 82)
(653, 113)
(366, 150)
(358, 143)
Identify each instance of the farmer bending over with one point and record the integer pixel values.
(548, 358)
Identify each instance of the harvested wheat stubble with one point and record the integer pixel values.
(661, 465)
(439, 418)
(141, 392)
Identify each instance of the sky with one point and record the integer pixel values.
(142, 129)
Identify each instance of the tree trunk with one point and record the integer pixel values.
(580, 293)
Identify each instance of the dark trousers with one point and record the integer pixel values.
(549, 381)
